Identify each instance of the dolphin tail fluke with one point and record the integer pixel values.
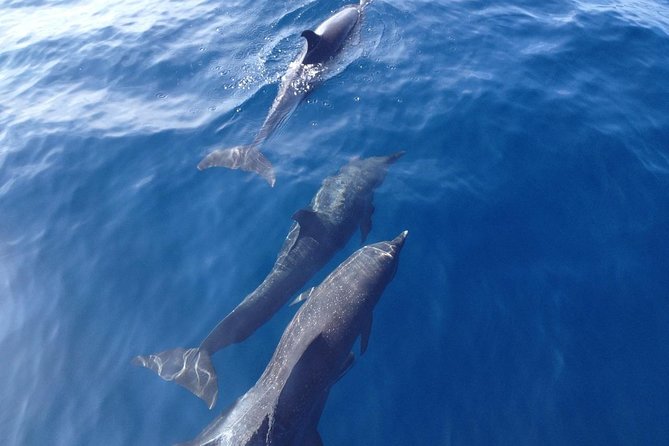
(247, 158)
(190, 368)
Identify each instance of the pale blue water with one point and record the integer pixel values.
(532, 301)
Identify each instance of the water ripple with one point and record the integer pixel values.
(532, 293)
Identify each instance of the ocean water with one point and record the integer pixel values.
(531, 305)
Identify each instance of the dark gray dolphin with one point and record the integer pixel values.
(342, 204)
(283, 407)
(302, 76)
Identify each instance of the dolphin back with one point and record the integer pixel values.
(246, 158)
(190, 368)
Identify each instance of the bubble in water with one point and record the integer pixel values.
(245, 82)
(161, 95)
(356, 99)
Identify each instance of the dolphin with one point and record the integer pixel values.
(341, 205)
(283, 407)
(302, 76)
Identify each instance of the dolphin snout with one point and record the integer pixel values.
(390, 159)
(398, 241)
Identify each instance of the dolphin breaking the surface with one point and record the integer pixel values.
(341, 205)
(302, 76)
(285, 404)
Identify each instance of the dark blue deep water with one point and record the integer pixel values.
(531, 306)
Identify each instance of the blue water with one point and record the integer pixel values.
(531, 305)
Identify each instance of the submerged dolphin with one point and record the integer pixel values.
(284, 406)
(302, 76)
(342, 204)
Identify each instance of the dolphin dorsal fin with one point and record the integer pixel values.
(313, 39)
(310, 223)
(300, 380)
(348, 363)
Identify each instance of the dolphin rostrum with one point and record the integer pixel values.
(341, 205)
(283, 407)
(302, 76)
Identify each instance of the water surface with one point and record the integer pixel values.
(532, 301)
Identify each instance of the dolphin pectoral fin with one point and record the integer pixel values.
(190, 368)
(310, 223)
(348, 363)
(246, 158)
(303, 296)
(364, 334)
(366, 223)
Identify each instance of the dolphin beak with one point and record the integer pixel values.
(390, 159)
(398, 241)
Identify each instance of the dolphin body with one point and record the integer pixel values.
(285, 404)
(302, 76)
(341, 205)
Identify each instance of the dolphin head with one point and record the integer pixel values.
(391, 249)
(371, 171)
(390, 159)
(383, 257)
(381, 162)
